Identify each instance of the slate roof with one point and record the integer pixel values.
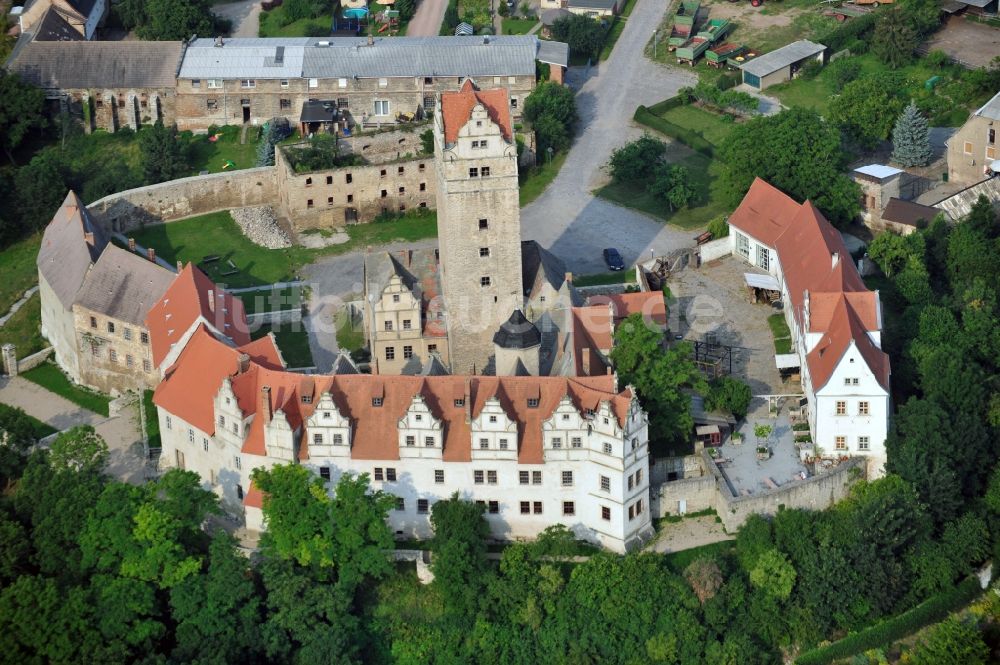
(517, 332)
(123, 285)
(54, 28)
(991, 109)
(68, 65)
(782, 57)
(540, 266)
(66, 253)
(554, 53)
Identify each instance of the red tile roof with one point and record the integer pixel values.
(254, 498)
(456, 108)
(190, 386)
(817, 268)
(648, 303)
(182, 304)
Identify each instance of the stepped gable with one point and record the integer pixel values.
(71, 243)
(456, 108)
(193, 295)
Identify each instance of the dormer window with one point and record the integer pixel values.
(532, 402)
(307, 399)
(459, 402)
(376, 401)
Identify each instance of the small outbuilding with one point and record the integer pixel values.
(782, 64)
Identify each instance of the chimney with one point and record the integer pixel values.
(180, 265)
(243, 363)
(265, 404)
(211, 300)
(131, 245)
(219, 42)
(569, 278)
(834, 259)
(88, 237)
(151, 254)
(371, 40)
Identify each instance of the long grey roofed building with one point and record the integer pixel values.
(124, 285)
(347, 57)
(782, 57)
(64, 65)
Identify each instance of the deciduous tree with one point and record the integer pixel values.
(21, 109)
(867, 108)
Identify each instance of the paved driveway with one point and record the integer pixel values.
(121, 432)
(245, 16)
(426, 21)
(567, 218)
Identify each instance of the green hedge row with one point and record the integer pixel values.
(660, 108)
(450, 20)
(857, 28)
(930, 611)
(688, 137)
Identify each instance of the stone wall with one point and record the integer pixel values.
(12, 366)
(186, 197)
(293, 315)
(696, 493)
(715, 249)
(356, 194)
(113, 361)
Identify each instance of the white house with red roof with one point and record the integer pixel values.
(535, 451)
(836, 322)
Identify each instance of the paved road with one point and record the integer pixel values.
(426, 21)
(245, 16)
(567, 218)
(121, 432)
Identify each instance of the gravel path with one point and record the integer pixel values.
(245, 16)
(426, 21)
(687, 534)
(567, 218)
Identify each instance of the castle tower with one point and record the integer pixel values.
(479, 220)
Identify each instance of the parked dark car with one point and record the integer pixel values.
(613, 259)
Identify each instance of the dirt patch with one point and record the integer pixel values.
(970, 43)
(318, 240)
(749, 17)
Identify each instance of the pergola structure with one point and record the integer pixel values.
(712, 358)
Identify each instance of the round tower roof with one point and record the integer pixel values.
(517, 333)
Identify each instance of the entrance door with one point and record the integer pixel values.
(246, 114)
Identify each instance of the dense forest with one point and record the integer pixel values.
(94, 570)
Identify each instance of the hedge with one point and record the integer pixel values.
(930, 611)
(850, 31)
(688, 137)
(660, 108)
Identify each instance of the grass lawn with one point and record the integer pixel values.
(782, 335)
(350, 337)
(626, 276)
(41, 430)
(711, 126)
(272, 300)
(194, 238)
(537, 178)
(152, 421)
(293, 344)
(627, 9)
(680, 560)
(49, 376)
(614, 32)
(707, 203)
(211, 156)
(17, 266)
(518, 26)
(24, 328)
(274, 23)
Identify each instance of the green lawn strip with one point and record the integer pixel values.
(885, 632)
(678, 561)
(17, 265)
(271, 300)
(783, 345)
(627, 9)
(518, 26)
(707, 202)
(349, 336)
(49, 376)
(605, 278)
(614, 32)
(292, 340)
(216, 233)
(776, 322)
(152, 421)
(271, 25)
(41, 430)
(537, 178)
(24, 328)
(711, 126)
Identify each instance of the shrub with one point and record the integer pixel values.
(729, 394)
(636, 160)
(688, 137)
(719, 227)
(937, 59)
(811, 69)
(850, 35)
(843, 70)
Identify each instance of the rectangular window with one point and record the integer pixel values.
(494, 507)
(473, 172)
(743, 246)
(459, 403)
(378, 473)
(343, 103)
(407, 324)
(423, 506)
(862, 408)
(840, 442)
(536, 477)
(532, 402)
(605, 513)
(522, 477)
(569, 508)
(284, 83)
(503, 444)
(400, 503)
(485, 171)
(484, 280)
(484, 444)
(111, 327)
(576, 442)
(318, 439)
(313, 83)
(477, 477)
(170, 422)
(113, 356)
(383, 83)
(631, 483)
(381, 107)
(129, 361)
(147, 366)
(638, 477)
(390, 353)
(428, 441)
(324, 473)
(239, 462)
(212, 104)
(607, 448)
(493, 419)
(248, 83)
(557, 442)
(204, 444)
(407, 351)
(525, 507)
(195, 83)
(213, 83)
(537, 508)
(513, 102)
(841, 408)
(309, 203)
(410, 440)
(605, 484)
(863, 443)
(491, 477)
(93, 322)
(484, 251)
(763, 257)
(284, 104)
(390, 474)
(968, 147)
(239, 492)
(567, 478)
(127, 333)
(388, 326)
(439, 476)
(483, 224)
(190, 435)
(338, 439)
